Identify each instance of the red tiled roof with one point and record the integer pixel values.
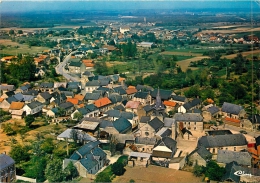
(131, 91)
(16, 105)
(232, 120)
(121, 79)
(1, 99)
(73, 100)
(169, 103)
(79, 97)
(102, 102)
(87, 61)
(132, 104)
(210, 101)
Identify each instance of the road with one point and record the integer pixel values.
(60, 69)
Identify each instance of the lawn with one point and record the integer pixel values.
(13, 48)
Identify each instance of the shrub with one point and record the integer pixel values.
(118, 168)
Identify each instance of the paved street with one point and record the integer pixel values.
(60, 69)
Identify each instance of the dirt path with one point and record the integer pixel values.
(184, 64)
(156, 174)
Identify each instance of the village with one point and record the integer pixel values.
(110, 118)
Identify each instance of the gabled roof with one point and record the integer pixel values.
(89, 162)
(169, 103)
(47, 85)
(168, 142)
(73, 100)
(213, 109)
(91, 107)
(99, 152)
(144, 88)
(92, 96)
(168, 122)
(11, 99)
(148, 108)
(145, 119)
(231, 108)
(28, 97)
(85, 149)
(194, 117)
(165, 94)
(119, 107)
(222, 140)
(46, 95)
(31, 92)
(16, 105)
(105, 123)
(132, 104)
(120, 90)
(7, 87)
(19, 96)
(145, 140)
(5, 161)
(130, 91)
(203, 152)
(80, 134)
(156, 124)
(75, 64)
(164, 132)
(79, 97)
(115, 97)
(83, 111)
(102, 102)
(219, 132)
(122, 125)
(66, 105)
(230, 175)
(226, 156)
(142, 95)
(34, 104)
(192, 103)
(103, 88)
(10, 93)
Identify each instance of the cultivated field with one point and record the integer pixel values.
(13, 48)
(156, 174)
(184, 64)
(233, 31)
(181, 53)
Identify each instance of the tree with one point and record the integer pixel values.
(198, 170)
(20, 32)
(11, 31)
(103, 177)
(118, 168)
(19, 153)
(29, 119)
(78, 116)
(53, 171)
(70, 172)
(214, 171)
(36, 168)
(192, 92)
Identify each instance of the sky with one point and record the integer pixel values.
(46, 5)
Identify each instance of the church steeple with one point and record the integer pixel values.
(158, 104)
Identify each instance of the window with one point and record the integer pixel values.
(213, 150)
(194, 123)
(194, 128)
(235, 148)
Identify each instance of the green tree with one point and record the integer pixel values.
(29, 119)
(198, 170)
(70, 172)
(11, 31)
(78, 116)
(35, 168)
(103, 177)
(192, 92)
(20, 32)
(118, 168)
(19, 153)
(214, 171)
(53, 171)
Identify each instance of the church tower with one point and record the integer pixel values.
(159, 107)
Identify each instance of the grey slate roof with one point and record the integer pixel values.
(156, 124)
(148, 108)
(178, 98)
(226, 156)
(254, 118)
(28, 97)
(222, 140)
(168, 142)
(219, 132)
(7, 87)
(144, 88)
(10, 93)
(114, 98)
(120, 90)
(85, 149)
(231, 108)
(105, 123)
(34, 104)
(92, 96)
(93, 83)
(75, 64)
(47, 85)
(19, 96)
(145, 140)
(168, 122)
(89, 162)
(122, 138)
(203, 152)
(164, 132)
(31, 92)
(46, 95)
(119, 107)
(99, 152)
(142, 95)
(189, 117)
(11, 99)
(5, 161)
(80, 134)
(91, 107)
(145, 119)
(213, 110)
(122, 125)
(165, 94)
(192, 103)
(66, 105)
(117, 113)
(103, 88)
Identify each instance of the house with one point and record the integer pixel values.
(199, 156)
(122, 125)
(145, 144)
(47, 87)
(124, 29)
(7, 94)
(89, 64)
(28, 98)
(68, 107)
(88, 159)
(164, 94)
(90, 98)
(7, 169)
(144, 88)
(19, 97)
(232, 142)
(145, 44)
(170, 105)
(254, 150)
(163, 132)
(103, 104)
(33, 108)
(52, 112)
(5, 104)
(190, 121)
(116, 99)
(164, 150)
(39, 72)
(120, 90)
(70, 135)
(16, 110)
(93, 111)
(210, 113)
(139, 159)
(143, 97)
(44, 98)
(132, 106)
(150, 129)
(5, 88)
(87, 125)
(194, 104)
(226, 156)
(236, 173)
(75, 66)
(232, 111)
(23, 88)
(92, 85)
